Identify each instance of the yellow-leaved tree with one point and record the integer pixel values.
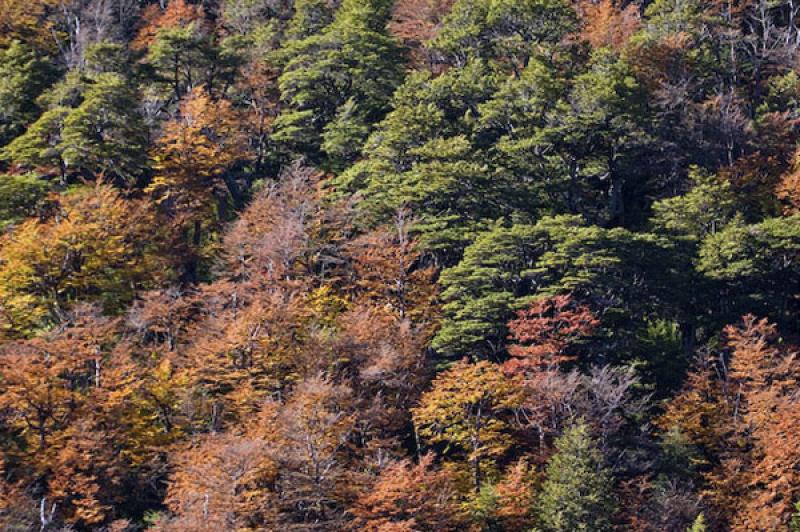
(468, 409)
(93, 246)
(190, 159)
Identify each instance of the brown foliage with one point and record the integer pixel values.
(389, 270)
(740, 411)
(543, 332)
(408, 497)
(605, 23)
(221, 482)
(414, 22)
(178, 13)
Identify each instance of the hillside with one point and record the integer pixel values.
(397, 266)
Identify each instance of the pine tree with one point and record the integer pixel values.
(577, 492)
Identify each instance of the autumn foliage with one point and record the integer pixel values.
(399, 265)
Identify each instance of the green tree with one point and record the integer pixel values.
(91, 128)
(577, 494)
(310, 17)
(422, 157)
(703, 210)
(622, 275)
(104, 134)
(509, 30)
(587, 154)
(24, 74)
(337, 83)
(20, 196)
(756, 266)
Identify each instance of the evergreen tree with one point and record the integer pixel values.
(104, 134)
(92, 128)
(20, 197)
(23, 76)
(337, 83)
(506, 267)
(576, 496)
(422, 157)
(586, 152)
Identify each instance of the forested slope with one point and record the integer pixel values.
(412, 265)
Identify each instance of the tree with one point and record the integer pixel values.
(421, 158)
(753, 263)
(337, 83)
(309, 18)
(66, 396)
(39, 145)
(104, 134)
(543, 332)
(182, 51)
(763, 376)
(93, 247)
(510, 31)
(705, 209)
(26, 21)
(409, 497)
(190, 159)
(389, 269)
(21, 196)
(576, 494)
(465, 410)
(606, 23)
(586, 149)
(414, 22)
(317, 424)
(23, 76)
(516, 496)
(222, 481)
(508, 267)
(737, 409)
(101, 134)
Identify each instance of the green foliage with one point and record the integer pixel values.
(680, 458)
(337, 83)
(101, 134)
(757, 264)
(704, 210)
(660, 357)
(589, 148)
(39, 146)
(179, 56)
(421, 157)
(310, 17)
(24, 74)
(20, 196)
(507, 266)
(482, 507)
(794, 525)
(576, 496)
(106, 56)
(503, 29)
(699, 524)
(104, 134)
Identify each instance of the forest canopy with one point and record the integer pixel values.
(399, 265)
